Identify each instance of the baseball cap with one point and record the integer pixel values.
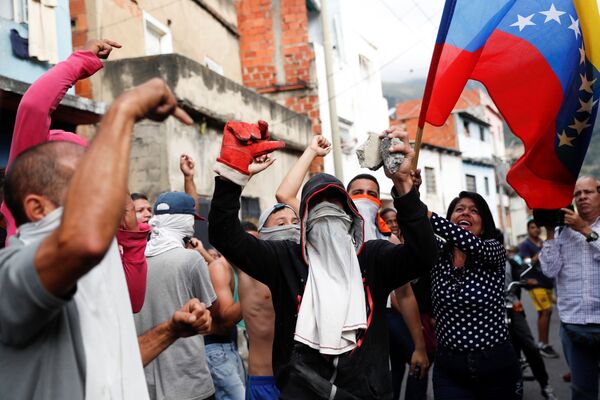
(176, 203)
(267, 213)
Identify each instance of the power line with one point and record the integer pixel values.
(352, 86)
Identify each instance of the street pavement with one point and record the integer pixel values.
(556, 367)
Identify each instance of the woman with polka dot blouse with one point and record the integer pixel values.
(475, 359)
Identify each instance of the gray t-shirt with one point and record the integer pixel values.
(41, 349)
(180, 372)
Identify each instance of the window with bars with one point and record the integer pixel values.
(430, 181)
(471, 183)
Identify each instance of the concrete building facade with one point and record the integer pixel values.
(21, 65)
(211, 100)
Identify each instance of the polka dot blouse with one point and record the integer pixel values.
(468, 302)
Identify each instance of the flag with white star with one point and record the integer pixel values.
(540, 62)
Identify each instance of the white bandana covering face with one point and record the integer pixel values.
(368, 209)
(112, 356)
(333, 308)
(168, 231)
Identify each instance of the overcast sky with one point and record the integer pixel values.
(405, 32)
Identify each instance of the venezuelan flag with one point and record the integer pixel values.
(539, 61)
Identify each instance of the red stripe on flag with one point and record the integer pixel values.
(529, 96)
(453, 71)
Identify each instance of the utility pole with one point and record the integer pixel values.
(333, 116)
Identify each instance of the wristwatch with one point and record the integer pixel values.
(591, 237)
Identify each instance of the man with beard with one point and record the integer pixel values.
(329, 291)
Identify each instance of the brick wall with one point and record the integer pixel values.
(277, 58)
(79, 33)
(257, 45)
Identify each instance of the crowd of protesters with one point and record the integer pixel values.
(107, 295)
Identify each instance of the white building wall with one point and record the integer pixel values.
(481, 172)
(359, 95)
(471, 145)
(519, 216)
(448, 175)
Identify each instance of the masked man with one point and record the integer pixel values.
(278, 222)
(330, 290)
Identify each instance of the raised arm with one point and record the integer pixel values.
(287, 191)
(99, 183)
(245, 151)
(188, 169)
(551, 260)
(401, 263)
(490, 253)
(43, 96)
(32, 123)
(253, 256)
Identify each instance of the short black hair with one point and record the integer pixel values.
(387, 210)
(138, 196)
(249, 226)
(532, 221)
(363, 176)
(487, 220)
(38, 170)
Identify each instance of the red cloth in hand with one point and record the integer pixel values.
(242, 142)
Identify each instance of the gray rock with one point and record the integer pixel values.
(369, 153)
(375, 152)
(391, 161)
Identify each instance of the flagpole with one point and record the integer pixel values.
(417, 146)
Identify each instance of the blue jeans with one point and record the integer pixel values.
(226, 370)
(583, 362)
(492, 374)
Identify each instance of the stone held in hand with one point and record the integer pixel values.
(375, 152)
(391, 161)
(369, 153)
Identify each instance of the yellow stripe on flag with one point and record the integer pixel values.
(589, 20)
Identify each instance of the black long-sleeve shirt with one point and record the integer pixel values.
(363, 372)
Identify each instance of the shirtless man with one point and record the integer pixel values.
(279, 222)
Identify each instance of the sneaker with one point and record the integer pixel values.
(548, 351)
(548, 393)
